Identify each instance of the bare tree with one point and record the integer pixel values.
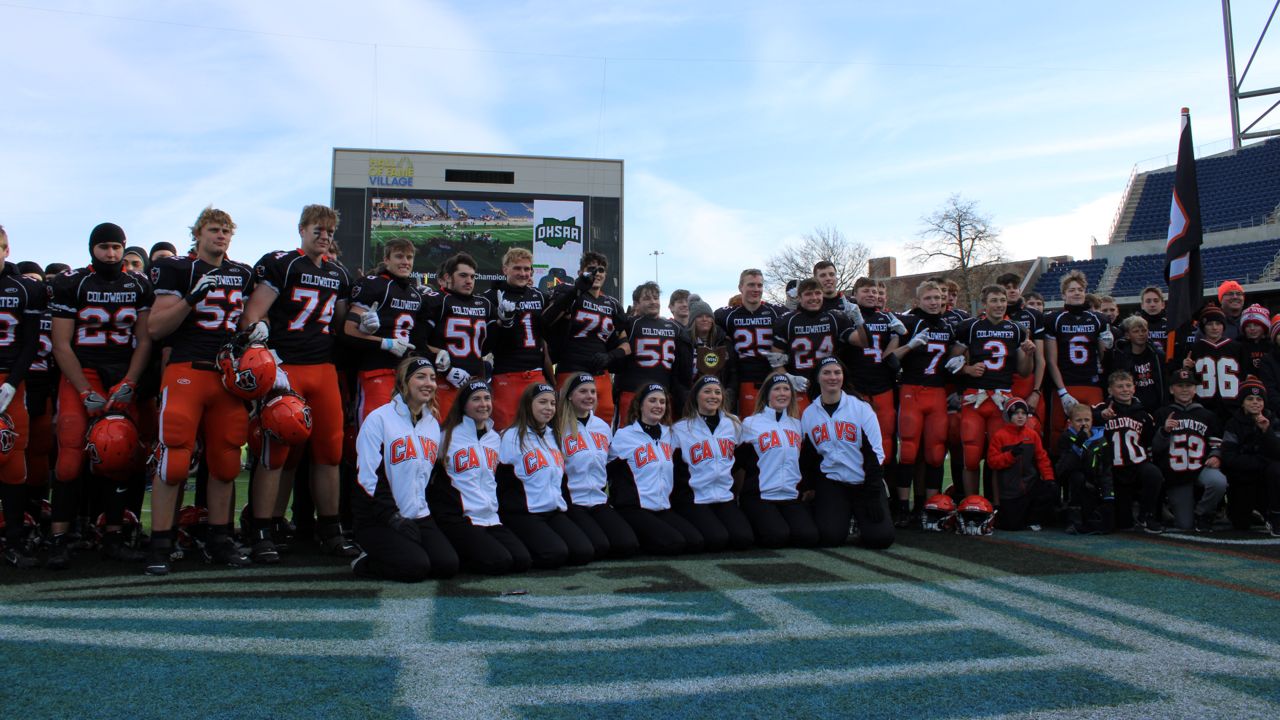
(965, 240)
(795, 261)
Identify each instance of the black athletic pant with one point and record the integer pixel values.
(552, 538)
(609, 534)
(395, 556)
(1141, 482)
(1089, 511)
(491, 550)
(663, 532)
(722, 525)
(1031, 508)
(780, 523)
(836, 503)
(1247, 492)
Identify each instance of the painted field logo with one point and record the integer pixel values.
(558, 233)
(391, 173)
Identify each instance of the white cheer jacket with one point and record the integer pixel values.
(776, 441)
(586, 452)
(709, 456)
(538, 465)
(649, 461)
(470, 463)
(391, 447)
(838, 437)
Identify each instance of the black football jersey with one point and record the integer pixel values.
(23, 302)
(1147, 370)
(582, 326)
(870, 374)
(750, 337)
(1221, 367)
(1157, 328)
(519, 347)
(660, 353)
(214, 320)
(1129, 432)
(301, 316)
(1076, 332)
(105, 312)
(927, 365)
(399, 302)
(43, 362)
(1032, 321)
(1196, 435)
(995, 345)
(459, 324)
(1255, 350)
(955, 316)
(808, 337)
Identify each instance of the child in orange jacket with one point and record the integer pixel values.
(1021, 472)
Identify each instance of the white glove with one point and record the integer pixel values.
(458, 377)
(396, 346)
(920, 341)
(800, 383)
(259, 332)
(443, 361)
(793, 299)
(954, 364)
(976, 399)
(1068, 402)
(7, 392)
(282, 380)
(506, 308)
(1000, 398)
(776, 359)
(201, 288)
(370, 324)
(896, 326)
(852, 311)
(1108, 340)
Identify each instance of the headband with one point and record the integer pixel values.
(417, 363)
(471, 388)
(577, 381)
(704, 381)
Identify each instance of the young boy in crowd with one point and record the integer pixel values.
(1126, 420)
(1251, 458)
(1186, 447)
(1022, 474)
(1084, 466)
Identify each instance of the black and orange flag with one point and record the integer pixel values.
(1183, 273)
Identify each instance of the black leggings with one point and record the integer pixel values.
(395, 556)
(1143, 481)
(552, 538)
(663, 532)
(490, 550)
(779, 523)
(836, 503)
(609, 534)
(722, 525)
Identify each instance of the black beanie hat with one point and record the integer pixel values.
(26, 266)
(106, 233)
(162, 245)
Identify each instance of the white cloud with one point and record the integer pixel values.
(1070, 233)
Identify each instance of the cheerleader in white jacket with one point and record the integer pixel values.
(773, 494)
(530, 484)
(396, 450)
(585, 440)
(843, 454)
(464, 491)
(641, 475)
(705, 441)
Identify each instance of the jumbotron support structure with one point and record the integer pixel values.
(1234, 86)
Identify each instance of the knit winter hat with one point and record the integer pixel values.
(1255, 313)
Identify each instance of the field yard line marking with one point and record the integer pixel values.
(194, 643)
(1160, 708)
(1120, 564)
(1191, 537)
(432, 683)
(10, 610)
(1204, 632)
(1155, 540)
(775, 611)
(743, 637)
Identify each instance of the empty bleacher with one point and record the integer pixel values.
(472, 209)
(1047, 284)
(1244, 262)
(1236, 190)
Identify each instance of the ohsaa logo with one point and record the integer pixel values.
(557, 233)
(246, 380)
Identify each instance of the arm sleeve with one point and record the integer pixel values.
(1042, 461)
(998, 455)
(376, 505)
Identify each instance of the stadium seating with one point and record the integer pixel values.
(514, 210)
(1236, 190)
(473, 208)
(1047, 285)
(1244, 262)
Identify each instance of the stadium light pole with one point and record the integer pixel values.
(655, 255)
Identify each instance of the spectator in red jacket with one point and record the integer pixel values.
(1022, 473)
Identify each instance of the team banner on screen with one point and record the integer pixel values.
(558, 230)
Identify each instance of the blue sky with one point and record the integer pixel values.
(743, 125)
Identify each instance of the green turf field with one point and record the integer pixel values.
(434, 247)
(1025, 625)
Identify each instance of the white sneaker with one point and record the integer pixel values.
(1034, 528)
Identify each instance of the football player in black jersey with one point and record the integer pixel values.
(519, 349)
(584, 328)
(455, 329)
(1130, 427)
(297, 298)
(1220, 363)
(384, 307)
(749, 327)
(809, 334)
(661, 352)
(1027, 387)
(199, 300)
(102, 345)
(1075, 339)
